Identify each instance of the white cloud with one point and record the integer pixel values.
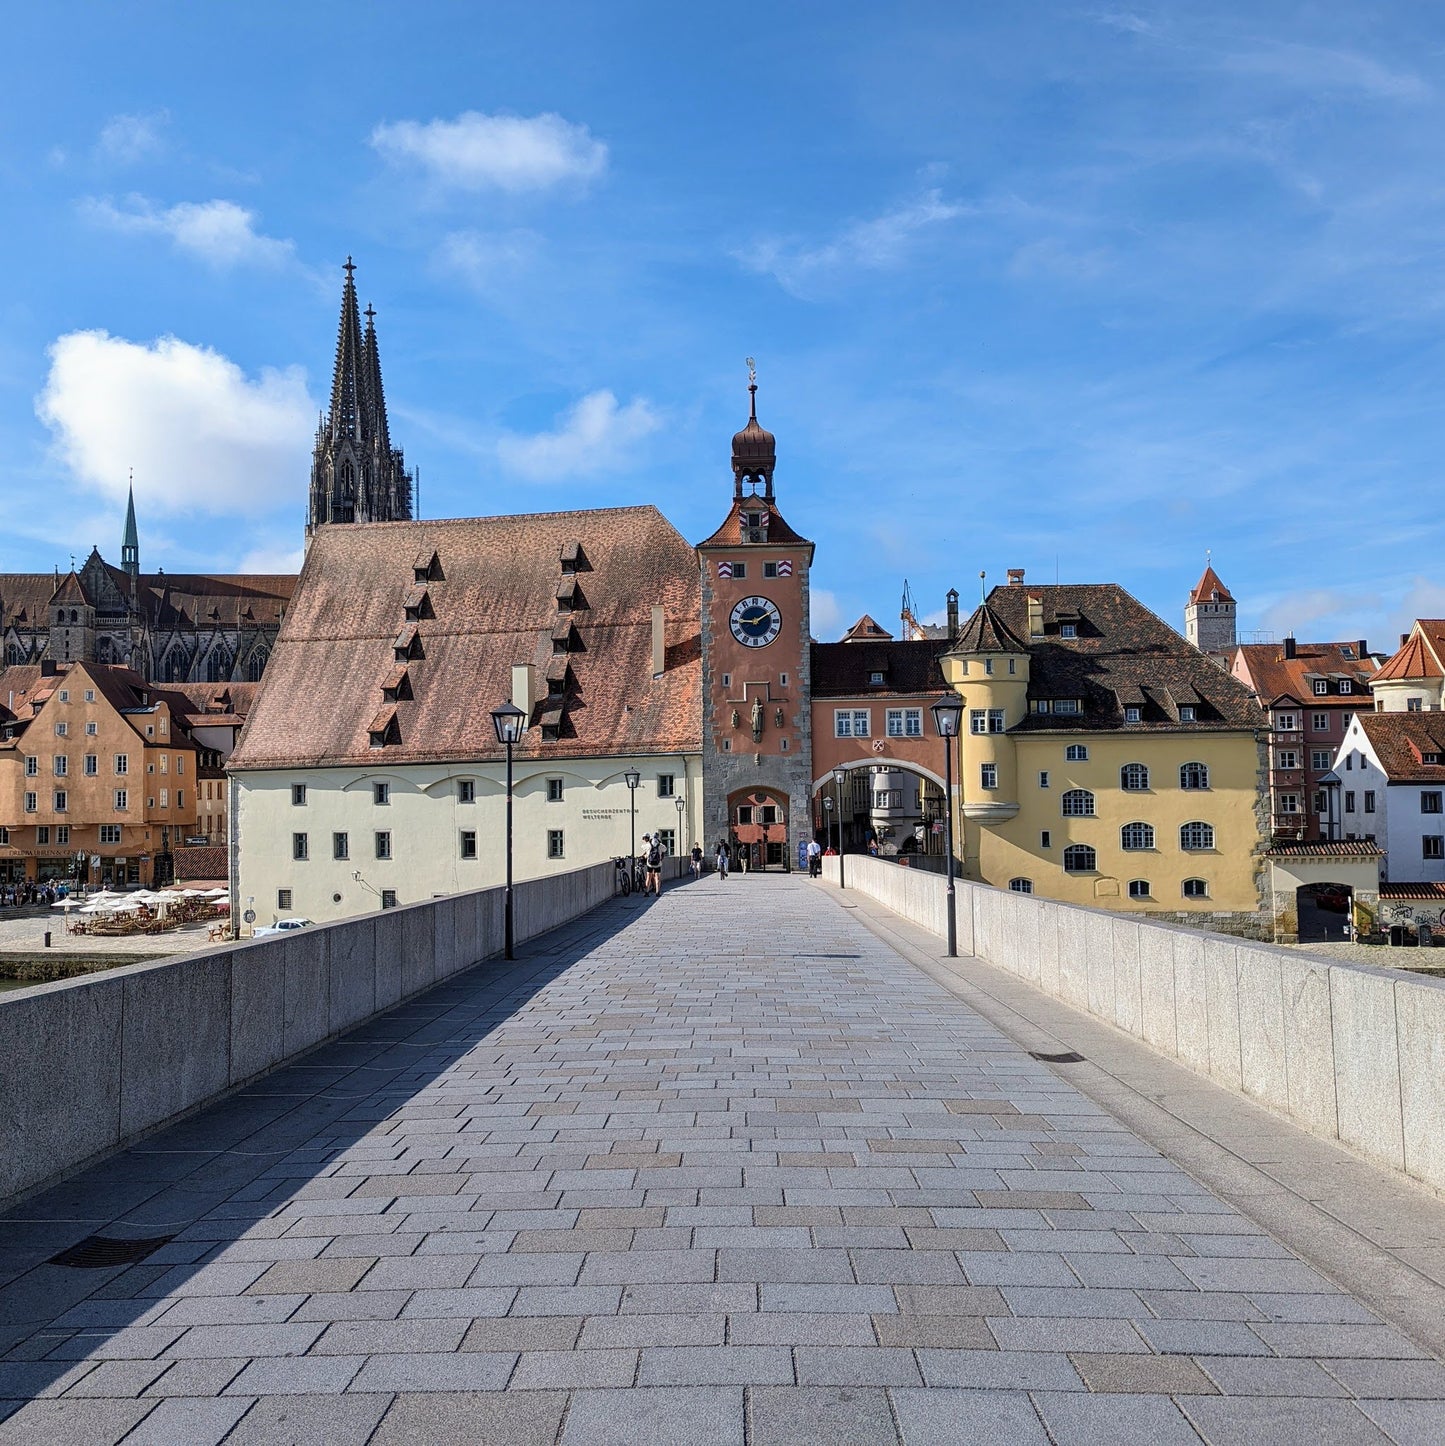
(126, 139)
(478, 152)
(219, 232)
(874, 245)
(201, 435)
(1318, 69)
(487, 259)
(824, 616)
(1309, 613)
(593, 436)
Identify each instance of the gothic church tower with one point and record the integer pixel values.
(356, 474)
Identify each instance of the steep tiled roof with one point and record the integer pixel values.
(202, 862)
(987, 632)
(1122, 655)
(70, 592)
(213, 703)
(842, 670)
(495, 606)
(866, 630)
(25, 598)
(1209, 588)
(1273, 675)
(1403, 741)
(1413, 659)
(778, 531)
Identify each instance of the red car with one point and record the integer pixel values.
(1334, 899)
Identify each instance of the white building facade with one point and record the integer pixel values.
(1389, 778)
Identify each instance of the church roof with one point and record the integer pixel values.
(70, 592)
(495, 606)
(1209, 588)
(730, 534)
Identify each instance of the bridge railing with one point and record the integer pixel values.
(1351, 1052)
(90, 1064)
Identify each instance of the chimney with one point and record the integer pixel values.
(953, 615)
(1015, 577)
(1362, 649)
(1404, 638)
(523, 692)
(48, 668)
(659, 643)
(1289, 645)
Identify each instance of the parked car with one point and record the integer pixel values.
(281, 926)
(1333, 899)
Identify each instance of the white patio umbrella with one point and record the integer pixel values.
(216, 893)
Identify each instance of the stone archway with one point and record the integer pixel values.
(888, 802)
(759, 828)
(1322, 912)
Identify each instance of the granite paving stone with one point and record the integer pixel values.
(729, 1166)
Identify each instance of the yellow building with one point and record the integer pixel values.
(1106, 761)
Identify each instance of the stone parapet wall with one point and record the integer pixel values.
(91, 1064)
(1350, 1052)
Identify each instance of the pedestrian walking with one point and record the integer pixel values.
(815, 858)
(721, 860)
(697, 860)
(652, 884)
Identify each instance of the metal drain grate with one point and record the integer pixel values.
(1067, 1057)
(98, 1252)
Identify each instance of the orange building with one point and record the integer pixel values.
(98, 775)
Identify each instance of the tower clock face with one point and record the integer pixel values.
(756, 622)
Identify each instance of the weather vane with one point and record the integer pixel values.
(982, 589)
(752, 371)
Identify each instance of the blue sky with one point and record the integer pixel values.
(1085, 289)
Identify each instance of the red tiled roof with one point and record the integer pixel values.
(1210, 589)
(778, 531)
(1274, 676)
(1413, 659)
(1426, 890)
(1344, 848)
(1402, 741)
(203, 861)
(866, 630)
(495, 606)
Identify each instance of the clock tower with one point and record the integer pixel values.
(756, 682)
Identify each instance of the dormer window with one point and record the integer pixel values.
(1346, 686)
(417, 604)
(427, 567)
(383, 731)
(573, 559)
(1068, 630)
(569, 597)
(397, 686)
(1321, 687)
(407, 645)
(1187, 713)
(1133, 714)
(876, 679)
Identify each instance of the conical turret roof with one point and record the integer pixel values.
(986, 632)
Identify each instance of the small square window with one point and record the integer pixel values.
(1068, 630)
(988, 775)
(1076, 753)
(283, 898)
(469, 843)
(665, 783)
(1138, 888)
(1433, 846)
(388, 898)
(90, 695)
(61, 729)
(91, 730)
(298, 795)
(770, 569)
(300, 847)
(554, 843)
(1195, 889)
(466, 790)
(554, 790)
(381, 794)
(1186, 713)
(1132, 714)
(383, 843)
(740, 569)
(1321, 687)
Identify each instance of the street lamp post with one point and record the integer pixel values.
(510, 723)
(838, 776)
(828, 819)
(947, 712)
(632, 778)
(681, 809)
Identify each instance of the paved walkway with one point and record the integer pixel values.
(734, 1171)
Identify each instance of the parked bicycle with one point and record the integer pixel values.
(622, 876)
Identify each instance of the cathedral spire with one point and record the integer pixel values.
(130, 543)
(356, 474)
(348, 384)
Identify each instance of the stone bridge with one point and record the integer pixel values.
(748, 1163)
